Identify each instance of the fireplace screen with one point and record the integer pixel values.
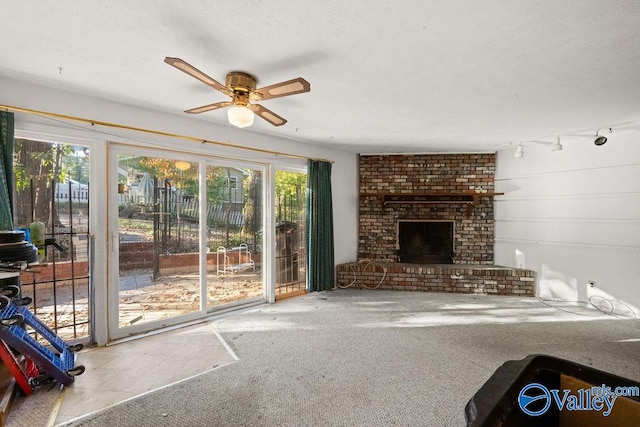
(425, 242)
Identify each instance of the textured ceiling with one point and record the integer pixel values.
(442, 75)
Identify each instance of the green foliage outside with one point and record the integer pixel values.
(36, 165)
(290, 195)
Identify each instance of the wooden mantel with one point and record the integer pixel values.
(469, 198)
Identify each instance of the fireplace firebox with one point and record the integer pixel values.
(425, 242)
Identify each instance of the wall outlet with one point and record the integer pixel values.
(592, 283)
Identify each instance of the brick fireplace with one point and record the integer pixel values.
(433, 211)
(448, 175)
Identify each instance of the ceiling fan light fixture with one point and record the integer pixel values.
(241, 87)
(240, 116)
(182, 165)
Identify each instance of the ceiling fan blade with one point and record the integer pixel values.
(290, 87)
(209, 107)
(194, 72)
(268, 115)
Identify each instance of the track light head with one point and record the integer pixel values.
(556, 146)
(600, 139)
(519, 151)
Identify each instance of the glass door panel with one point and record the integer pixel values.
(234, 234)
(158, 240)
(51, 205)
(291, 258)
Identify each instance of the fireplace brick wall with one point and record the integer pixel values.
(426, 173)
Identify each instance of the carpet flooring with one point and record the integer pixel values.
(358, 357)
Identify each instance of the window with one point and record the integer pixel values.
(232, 182)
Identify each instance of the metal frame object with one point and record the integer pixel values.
(59, 362)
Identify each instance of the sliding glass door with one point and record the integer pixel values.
(185, 236)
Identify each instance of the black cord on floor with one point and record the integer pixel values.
(591, 303)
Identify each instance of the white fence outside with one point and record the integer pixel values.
(188, 208)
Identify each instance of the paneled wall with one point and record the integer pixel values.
(574, 217)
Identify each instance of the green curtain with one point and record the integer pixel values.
(320, 257)
(6, 170)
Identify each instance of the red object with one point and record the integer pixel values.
(22, 379)
(31, 369)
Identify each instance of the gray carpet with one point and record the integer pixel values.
(358, 357)
(35, 409)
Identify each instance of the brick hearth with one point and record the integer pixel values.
(437, 278)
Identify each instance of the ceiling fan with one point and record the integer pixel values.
(241, 87)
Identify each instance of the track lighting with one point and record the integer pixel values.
(519, 151)
(555, 146)
(600, 139)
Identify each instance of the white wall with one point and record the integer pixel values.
(31, 96)
(344, 171)
(574, 217)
